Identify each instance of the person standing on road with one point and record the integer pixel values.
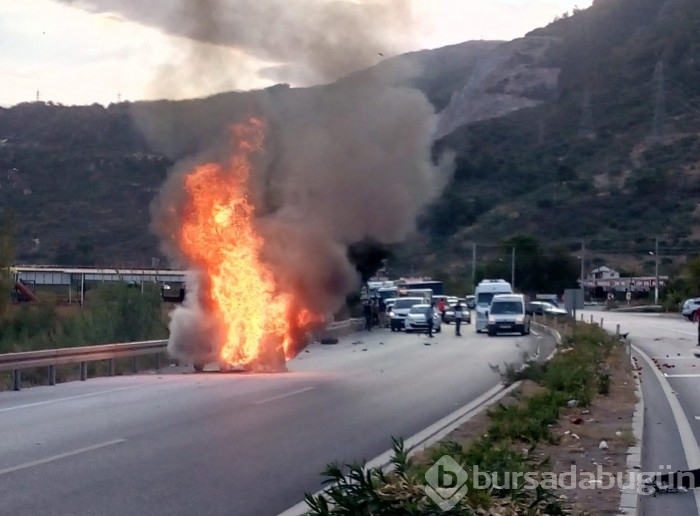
(429, 315)
(458, 318)
(442, 306)
(382, 313)
(367, 309)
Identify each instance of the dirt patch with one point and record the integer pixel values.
(609, 419)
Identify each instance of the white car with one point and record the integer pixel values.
(399, 311)
(417, 320)
(689, 307)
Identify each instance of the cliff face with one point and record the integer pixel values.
(510, 77)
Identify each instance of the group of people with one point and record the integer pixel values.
(374, 312)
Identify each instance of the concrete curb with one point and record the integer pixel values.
(428, 436)
(629, 497)
(549, 331)
(437, 431)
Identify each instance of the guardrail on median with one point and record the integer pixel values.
(51, 358)
(339, 329)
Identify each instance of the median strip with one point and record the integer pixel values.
(568, 409)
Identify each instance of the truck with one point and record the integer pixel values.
(435, 286)
(484, 293)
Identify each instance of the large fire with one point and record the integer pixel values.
(257, 323)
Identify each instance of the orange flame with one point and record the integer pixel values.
(218, 236)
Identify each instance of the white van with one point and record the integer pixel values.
(483, 294)
(508, 313)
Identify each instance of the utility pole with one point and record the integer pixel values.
(583, 268)
(656, 272)
(473, 267)
(512, 268)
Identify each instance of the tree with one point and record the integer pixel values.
(7, 256)
(537, 269)
(692, 269)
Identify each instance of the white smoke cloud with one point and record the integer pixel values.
(303, 41)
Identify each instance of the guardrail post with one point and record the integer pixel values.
(110, 367)
(83, 371)
(158, 362)
(617, 331)
(581, 317)
(601, 323)
(591, 318)
(52, 375)
(134, 365)
(16, 380)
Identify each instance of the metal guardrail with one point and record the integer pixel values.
(51, 358)
(339, 329)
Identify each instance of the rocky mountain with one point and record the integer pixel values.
(587, 128)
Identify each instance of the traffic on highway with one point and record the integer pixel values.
(180, 442)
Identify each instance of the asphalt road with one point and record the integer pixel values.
(224, 444)
(671, 340)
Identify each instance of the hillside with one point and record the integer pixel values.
(613, 159)
(587, 128)
(80, 179)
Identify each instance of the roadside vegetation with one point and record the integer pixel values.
(116, 313)
(511, 441)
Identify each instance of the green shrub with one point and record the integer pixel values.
(118, 314)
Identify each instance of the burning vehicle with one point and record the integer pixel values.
(238, 316)
(278, 208)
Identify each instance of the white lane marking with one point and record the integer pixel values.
(60, 456)
(285, 395)
(682, 375)
(688, 442)
(69, 398)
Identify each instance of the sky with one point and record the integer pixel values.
(87, 51)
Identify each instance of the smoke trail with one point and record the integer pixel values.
(343, 163)
(301, 42)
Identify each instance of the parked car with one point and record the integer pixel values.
(417, 319)
(508, 313)
(400, 310)
(471, 302)
(544, 308)
(689, 307)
